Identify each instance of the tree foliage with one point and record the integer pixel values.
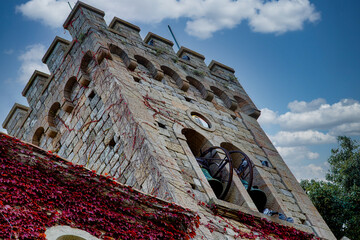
(338, 198)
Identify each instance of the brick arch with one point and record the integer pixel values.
(183, 85)
(38, 134)
(206, 94)
(155, 73)
(69, 90)
(225, 98)
(129, 62)
(52, 114)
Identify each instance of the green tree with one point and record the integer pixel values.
(338, 198)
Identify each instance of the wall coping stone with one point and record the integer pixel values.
(76, 8)
(214, 63)
(186, 50)
(123, 22)
(153, 35)
(52, 46)
(31, 80)
(12, 111)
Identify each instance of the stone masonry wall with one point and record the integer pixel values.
(119, 106)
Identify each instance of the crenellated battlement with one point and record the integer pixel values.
(137, 110)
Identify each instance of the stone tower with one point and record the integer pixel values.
(138, 111)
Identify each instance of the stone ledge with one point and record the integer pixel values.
(155, 36)
(31, 80)
(230, 210)
(76, 7)
(52, 46)
(186, 50)
(123, 22)
(12, 111)
(214, 63)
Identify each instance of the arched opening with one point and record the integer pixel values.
(38, 136)
(52, 116)
(62, 232)
(85, 62)
(197, 142)
(223, 99)
(71, 94)
(246, 108)
(198, 89)
(122, 56)
(174, 78)
(212, 162)
(146, 66)
(70, 237)
(244, 167)
(53, 119)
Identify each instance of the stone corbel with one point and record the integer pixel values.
(103, 53)
(51, 132)
(84, 80)
(233, 105)
(184, 85)
(130, 63)
(68, 106)
(158, 74)
(209, 95)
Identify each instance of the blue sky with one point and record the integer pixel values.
(299, 60)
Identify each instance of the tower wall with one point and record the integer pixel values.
(124, 107)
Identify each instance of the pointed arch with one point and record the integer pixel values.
(183, 85)
(230, 104)
(155, 73)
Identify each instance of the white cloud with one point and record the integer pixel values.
(31, 61)
(310, 171)
(268, 116)
(50, 12)
(339, 118)
(302, 106)
(308, 137)
(299, 129)
(283, 15)
(204, 17)
(348, 129)
(326, 116)
(293, 155)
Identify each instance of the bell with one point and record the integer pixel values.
(215, 184)
(257, 195)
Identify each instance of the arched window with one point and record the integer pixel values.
(123, 56)
(67, 233)
(197, 87)
(38, 136)
(53, 119)
(71, 94)
(180, 83)
(146, 66)
(223, 99)
(197, 142)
